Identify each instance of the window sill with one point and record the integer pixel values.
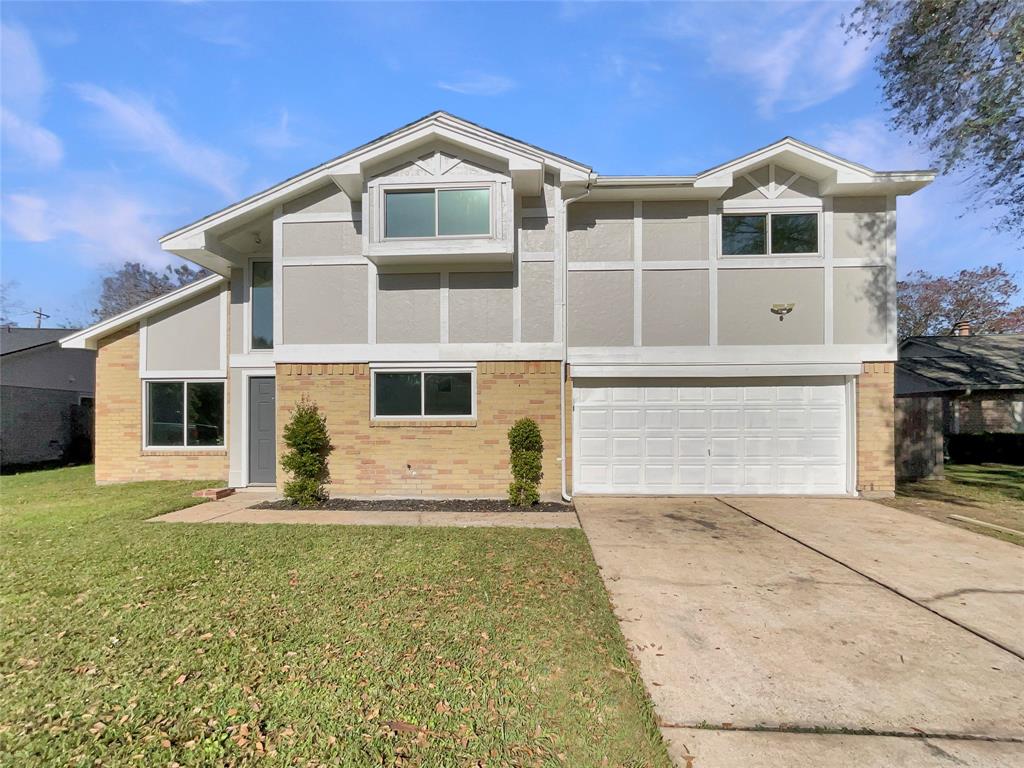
(184, 451)
(423, 422)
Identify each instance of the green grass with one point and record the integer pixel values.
(993, 493)
(131, 643)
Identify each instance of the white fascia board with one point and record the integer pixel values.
(87, 338)
(729, 354)
(586, 371)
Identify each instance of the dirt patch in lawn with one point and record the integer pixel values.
(423, 505)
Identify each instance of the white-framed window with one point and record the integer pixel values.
(423, 393)
(770, 234)
(261, 305)
(183, 414)
(438, 212)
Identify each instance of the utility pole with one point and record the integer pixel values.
(38, 312)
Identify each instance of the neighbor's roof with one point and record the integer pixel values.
(944, 363)
(19, 339)
(88, 337)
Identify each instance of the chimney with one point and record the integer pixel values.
(962, 328)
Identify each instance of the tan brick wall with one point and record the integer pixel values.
(118, 450)
(876, 472)
(418, 458)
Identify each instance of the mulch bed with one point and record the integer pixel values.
(423, 505)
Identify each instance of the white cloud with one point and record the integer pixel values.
(277, 136)
(25, 84)
(479, 84)
(636, 73)
(144, 128)
(31, 140)
(102, 225)
(792, 56)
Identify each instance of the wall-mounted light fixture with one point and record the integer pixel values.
(782, 310)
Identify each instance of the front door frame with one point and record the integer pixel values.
(247, 374)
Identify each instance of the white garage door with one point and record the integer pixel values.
(668, 436)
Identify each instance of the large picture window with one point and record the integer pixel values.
(184, 414)
(262, 305)
(761, 234)
(437, 212)
(422, 394)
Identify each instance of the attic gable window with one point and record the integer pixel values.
(777, 234)
(445, 212)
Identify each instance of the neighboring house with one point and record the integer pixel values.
(732, 331)
(46, 398)
(955, 385)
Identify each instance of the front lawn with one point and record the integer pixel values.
(131, 643)
(993, 493)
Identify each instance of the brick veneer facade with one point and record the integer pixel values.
(118, 449)
(990, 411)
(876, 467)
(426, 458)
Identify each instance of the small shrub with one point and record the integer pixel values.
(526, 447)
(306, 459)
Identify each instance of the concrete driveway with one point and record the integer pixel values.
(738, 626)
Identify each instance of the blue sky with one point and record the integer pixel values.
(122, 121)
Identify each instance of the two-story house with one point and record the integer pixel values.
(732, 331)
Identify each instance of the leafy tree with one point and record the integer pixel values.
(306, 458)
(932, 306)
(132, 284)
(526, 447)
(954, 77)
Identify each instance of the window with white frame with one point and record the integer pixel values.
(184, 414)
(775, 234)
(423, 394)
(261, 305)
(440, 212)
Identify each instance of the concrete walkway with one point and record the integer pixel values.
(975, 580)
(737, 627)
(237, 508)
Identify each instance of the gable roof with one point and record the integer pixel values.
(88, 338)
(19, 339)
(954, 363)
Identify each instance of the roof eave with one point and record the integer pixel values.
(88, 338)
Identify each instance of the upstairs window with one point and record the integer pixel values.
(777, 234)
(262, 305)
(437, 212)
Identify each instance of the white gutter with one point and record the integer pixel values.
(565, 327)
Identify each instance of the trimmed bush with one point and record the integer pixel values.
(306, 459)
(526, 447)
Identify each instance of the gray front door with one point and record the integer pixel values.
(262, 437)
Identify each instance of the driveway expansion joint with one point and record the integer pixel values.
(893, 590)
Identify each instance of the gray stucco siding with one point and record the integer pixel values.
(326, 199)
(187, 337)
(601, 309)
(745, 298)
(675, 308)
(538, 301)
(537, 234)
(409, 308)
(305, 240)
(674, 230)
(600, 232)
(479, 307)
(860, 299)
(860, 227)
(324, 304)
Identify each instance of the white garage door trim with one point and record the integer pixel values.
(723, 436)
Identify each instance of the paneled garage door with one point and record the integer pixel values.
(674, 436)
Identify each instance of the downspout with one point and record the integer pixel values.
(565, 325)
